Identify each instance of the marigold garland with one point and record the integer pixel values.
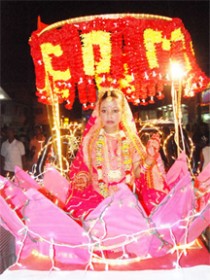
(130, 52)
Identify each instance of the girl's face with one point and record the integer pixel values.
(110, 113)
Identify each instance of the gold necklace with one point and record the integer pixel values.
(112, 174)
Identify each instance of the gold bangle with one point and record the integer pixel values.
(146, 166)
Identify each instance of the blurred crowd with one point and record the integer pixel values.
(21, 148)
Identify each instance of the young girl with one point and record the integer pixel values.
(112, 154)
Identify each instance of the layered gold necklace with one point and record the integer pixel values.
(122, 157)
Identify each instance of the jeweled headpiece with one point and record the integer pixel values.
(109, 92)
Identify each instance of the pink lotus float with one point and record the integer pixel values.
(116, 233)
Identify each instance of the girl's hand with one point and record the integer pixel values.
(153, 145)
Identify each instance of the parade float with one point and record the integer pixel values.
(75, 58)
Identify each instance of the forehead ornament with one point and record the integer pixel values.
(109, 97)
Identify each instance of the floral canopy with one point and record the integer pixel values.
(129, 51)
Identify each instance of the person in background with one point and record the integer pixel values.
(199, 137)
(3, 137)
(12, 154)
(205, 154)
(36, 144)
(204, 161)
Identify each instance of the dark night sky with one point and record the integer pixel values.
(19, 20)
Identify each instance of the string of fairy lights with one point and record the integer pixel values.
(70, 137)
(96, 244)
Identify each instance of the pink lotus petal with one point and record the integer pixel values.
(46, 221)
(170, 216)
(56, 184)
(24, 180)
(119, 222)
(177, 171)
(198, 225)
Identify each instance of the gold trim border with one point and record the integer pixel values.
(105, 16)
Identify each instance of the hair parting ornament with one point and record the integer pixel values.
(109, 97)
(109, 93)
